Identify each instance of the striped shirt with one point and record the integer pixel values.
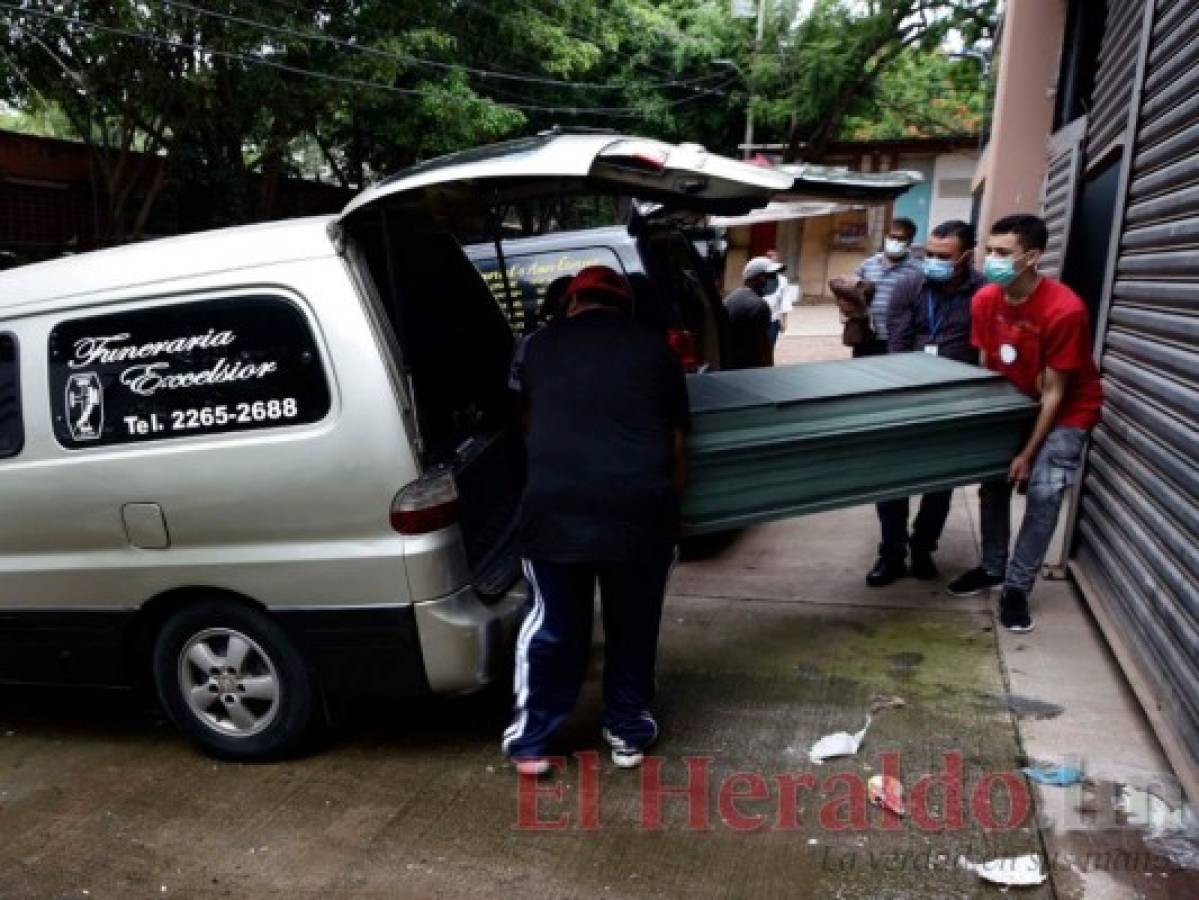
(885, 276)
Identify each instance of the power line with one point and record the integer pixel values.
(420, 61)
(710, 91)
(21, 74)
(575, 33)
(614, 111)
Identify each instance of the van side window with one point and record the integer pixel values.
(530, 274)
(12, 431)
(181, 369)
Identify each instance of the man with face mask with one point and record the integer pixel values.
(1036, 332)
(749, 315)
(885, 270)
(931, 313)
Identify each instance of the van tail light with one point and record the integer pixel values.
(428, 504)
(682, 342)
(639, 155)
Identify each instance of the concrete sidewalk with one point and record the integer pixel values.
(418, 802)
(813, 334)
(766, 646)
(768, 643)
(1067, 699)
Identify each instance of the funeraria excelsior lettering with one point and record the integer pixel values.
(150, 378)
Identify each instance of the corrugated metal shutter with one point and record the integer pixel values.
(1108, 114)
(1058, 193)
(1138, 525)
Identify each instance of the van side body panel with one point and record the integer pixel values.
(289, 516)
(294, 517)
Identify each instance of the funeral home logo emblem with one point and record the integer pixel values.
(85, 406)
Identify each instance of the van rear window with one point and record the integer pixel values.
(530, 274)
(12, 431)
(206, 367)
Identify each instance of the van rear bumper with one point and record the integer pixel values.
(452, 645)
(466, 643)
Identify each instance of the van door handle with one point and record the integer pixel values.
(145, 526)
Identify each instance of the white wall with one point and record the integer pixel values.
(957, 167)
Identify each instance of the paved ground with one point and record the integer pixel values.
(767, 645)
(813, 334)
(101, 798)
(769, 641)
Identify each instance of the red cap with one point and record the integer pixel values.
(603, 279)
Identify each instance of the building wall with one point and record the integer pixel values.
(1136, 547)
(1124, 232)
(952, 179)
(809, 246)
(52, 200)
(813, 255)
(1013, 165)
(916, 203)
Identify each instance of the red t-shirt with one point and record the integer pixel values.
(1048, 330)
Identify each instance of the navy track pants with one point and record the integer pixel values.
(555, 638)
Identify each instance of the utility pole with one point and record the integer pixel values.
(749, 103)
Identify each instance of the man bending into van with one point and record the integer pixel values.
(607, 412)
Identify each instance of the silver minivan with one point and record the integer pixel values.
(265, 468)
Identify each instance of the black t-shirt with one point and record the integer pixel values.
(749, 324)
(604, 396)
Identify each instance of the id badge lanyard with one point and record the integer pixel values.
(934, 322)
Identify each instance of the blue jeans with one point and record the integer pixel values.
(1053, 471)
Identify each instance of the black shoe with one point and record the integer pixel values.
(886, 571)
(923, 566)
(1013, 611)
(973, 582)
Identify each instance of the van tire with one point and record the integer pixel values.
(262, 692)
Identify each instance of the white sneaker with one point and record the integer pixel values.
(623, 756)
(532, 765)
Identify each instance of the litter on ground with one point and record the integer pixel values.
(887, 792)
(886, 701)
(1172, 831)
(841, 743)
(1012, 871)
(1058, 776)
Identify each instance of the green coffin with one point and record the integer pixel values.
(773, 443)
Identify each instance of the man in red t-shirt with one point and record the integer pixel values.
(1035, 331)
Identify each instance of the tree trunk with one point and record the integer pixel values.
(152, 192)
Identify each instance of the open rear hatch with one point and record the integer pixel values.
(453, 188)
(453, 344)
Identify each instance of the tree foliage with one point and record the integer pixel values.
(843, 61)
(210, 106)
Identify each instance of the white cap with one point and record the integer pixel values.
(761, 265)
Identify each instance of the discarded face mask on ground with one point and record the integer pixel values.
(1012, 871)
(1171, 831)
(841, 743)
(885, 791)
(1056, 776)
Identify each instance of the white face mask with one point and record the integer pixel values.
(895, 249)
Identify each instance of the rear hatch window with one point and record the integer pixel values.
(529, 275)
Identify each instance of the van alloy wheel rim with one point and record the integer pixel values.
(229, 682)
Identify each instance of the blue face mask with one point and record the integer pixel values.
(1000, 270)
(938, 269)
